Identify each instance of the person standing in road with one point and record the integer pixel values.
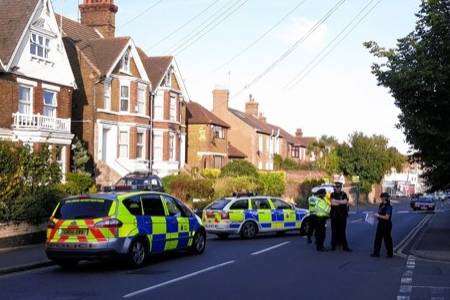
(312, 200)
(384, 227)
(339, 214)
(322, 209)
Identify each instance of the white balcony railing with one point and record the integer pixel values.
(39, 122)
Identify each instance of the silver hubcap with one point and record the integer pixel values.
(138, 252)
(249, 230)
(200, 244)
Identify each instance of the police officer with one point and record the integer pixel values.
(312, 200)
(384, 227)
(339, 214)
(322, 210)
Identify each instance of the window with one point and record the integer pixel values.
(133, 205)
(140, 145)
(126, 62)
(172, 148)
(124, 97)
(153, 205)
(268, 144)
(261, 203)
(39, 46)
(25, 100)
(218, 162)
(172, 207)
(218, 132)
(240, 204)
(261, 143)
(107, 94)
(296, 152)
(279, 204)
(123, 144)
(158, 106)
(157, 147)
(173, 108)
(141, 99)
(50, 104)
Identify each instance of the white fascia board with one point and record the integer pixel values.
(180, 80)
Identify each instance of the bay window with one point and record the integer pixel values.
(173, 108)
(157, 147)
(140, 142)
(158, 106)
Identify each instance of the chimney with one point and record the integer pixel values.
(221, 98)
(101, 15)
(262, 118)
(299, 133)
(252, 107)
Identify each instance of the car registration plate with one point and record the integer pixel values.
(73, 231)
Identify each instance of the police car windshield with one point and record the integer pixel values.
(73, 209)
(219, 204)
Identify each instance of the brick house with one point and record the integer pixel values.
(249, 132)
(207, 138)
(234, 153)
(111, 108)
(299, 150)
(168, 110)
(36, 80)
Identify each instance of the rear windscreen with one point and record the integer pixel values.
(219, 204)
(83, 209)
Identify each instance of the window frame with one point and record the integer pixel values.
(158, 106)
(158, 146)
(147, 197)
(254, 206)
(134, 198)
(121, 143)
(173, 108)
(140, 146)
(140, 102)
(273, 200)
(107, 94)
(126, 62)
(218, 132)
(172, 147)
(53, 107)
(124, 98)
(42, 43)
(240, 200)
(30, 99)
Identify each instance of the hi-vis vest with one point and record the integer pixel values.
(322, 208)
(312, 201)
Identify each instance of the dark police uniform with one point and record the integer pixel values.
(339, 216)
(384, 229)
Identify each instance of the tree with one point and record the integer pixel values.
(81, 157)
(369, 158)
(417, 74)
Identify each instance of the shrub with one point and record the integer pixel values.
(239, 168)
(271, 183)
(167, 181)
(187, 188)
(225, 187)
(305, 188)
(78, 183)
(210, 173)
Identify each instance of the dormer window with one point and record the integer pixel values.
(39, 46)
(126, 62)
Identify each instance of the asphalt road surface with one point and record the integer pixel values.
(269, 267)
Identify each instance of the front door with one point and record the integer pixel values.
(105, 149)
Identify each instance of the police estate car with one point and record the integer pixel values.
(132, 225)
(249, 215)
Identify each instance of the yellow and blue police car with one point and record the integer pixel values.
(131, 225)
(249, 215)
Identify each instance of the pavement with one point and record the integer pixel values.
(268, 267)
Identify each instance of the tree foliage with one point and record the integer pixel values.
(81, 157)
(417, 74)
(239, 168)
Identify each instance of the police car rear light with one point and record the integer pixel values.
(224, 215)
(109, 223)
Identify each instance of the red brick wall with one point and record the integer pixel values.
(8, 98)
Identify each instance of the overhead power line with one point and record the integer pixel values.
(293, 47)
(212, 26)
(343, 34)
(141, 13)
(261, 37)
(178, 29)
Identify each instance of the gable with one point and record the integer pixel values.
(41, 53)
(136, 66)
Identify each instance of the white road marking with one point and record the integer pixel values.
(178, 279)
(406, 289)
(402, 297)
(270, 248)
(406, 280)
(403, 212)
(356, 221)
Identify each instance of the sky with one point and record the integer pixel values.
(338, 97)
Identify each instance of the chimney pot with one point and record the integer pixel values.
(101, 15)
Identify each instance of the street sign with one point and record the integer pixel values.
(355, 179)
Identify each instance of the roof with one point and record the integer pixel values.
(234, 152)
(259, 125)
(14, 17)
(197, 114)
(283, 133)
(77, 31)
(156, 67)
(304, 141)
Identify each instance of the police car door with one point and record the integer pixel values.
(264, 211)
(154, 211)
(237, 213)
(177, 224)
(285, 214)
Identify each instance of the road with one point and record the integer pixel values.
(269, 267)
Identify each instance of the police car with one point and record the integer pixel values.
(131, 225)
(249, 215)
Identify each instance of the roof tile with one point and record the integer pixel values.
(197, 114)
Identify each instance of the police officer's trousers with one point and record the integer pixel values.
(320, 232)
(384, 229)
(312, 226)
(338, 232)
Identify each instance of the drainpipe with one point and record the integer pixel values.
(150, 147)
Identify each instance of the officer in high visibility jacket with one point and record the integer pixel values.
(322, 210)
(312, 216)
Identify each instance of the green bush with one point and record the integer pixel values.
(271, 183)
(239, 168)
(167, 181)
(284, 164)
(187, 188)
(210, 173)
(78, 183)
(225, 187)
(304, 190)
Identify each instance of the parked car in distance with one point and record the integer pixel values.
(425, 203)
(144, 180)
